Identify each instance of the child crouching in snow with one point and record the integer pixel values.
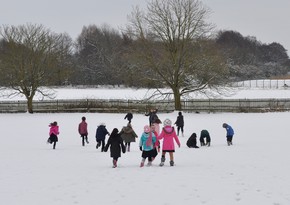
(191, 142)
(168, 134)
(115, 142)
(146, 144)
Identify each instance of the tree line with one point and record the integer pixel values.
(170, 44)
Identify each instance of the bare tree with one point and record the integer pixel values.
(171, 40)
(30, 57)
(98, 54)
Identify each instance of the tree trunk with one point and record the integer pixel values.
(29, 105)
(177, 99)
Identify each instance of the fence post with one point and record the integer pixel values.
(209, 106)
(88, 105)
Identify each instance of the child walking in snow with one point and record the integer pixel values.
(168, 134)
(179, 123)
(83, 131)
(53, 132)
(116, 145)
(129, 117)
(146, 144)
(128, 135)
(101, 133)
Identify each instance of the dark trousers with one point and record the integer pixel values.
(84, 138)
(229, 138)
(101, 142)
(179, 128)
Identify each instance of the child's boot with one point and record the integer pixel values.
(162, 161)
(128, 148)
(171, 163)
(114, 163)
(142, 163)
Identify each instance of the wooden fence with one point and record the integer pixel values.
(137, 106)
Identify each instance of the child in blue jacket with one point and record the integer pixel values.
(146, 144)
(230, 133)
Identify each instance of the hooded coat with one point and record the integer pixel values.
(128, 134)
(191, 142)
(115, 142)
(168, 134)
(101, 132)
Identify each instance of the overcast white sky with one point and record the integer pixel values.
(267, 20)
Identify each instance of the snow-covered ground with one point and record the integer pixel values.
(255, 170)
(254, 89)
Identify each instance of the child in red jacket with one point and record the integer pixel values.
(83, 131)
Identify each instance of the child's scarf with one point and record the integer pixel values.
(149, 140)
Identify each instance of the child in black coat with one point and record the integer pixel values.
(179, 123)
(191, 142)
(129, 117)
(115, 142)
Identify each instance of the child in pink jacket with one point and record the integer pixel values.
(168, 134)
(53, 132)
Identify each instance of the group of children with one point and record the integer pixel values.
(149, 142)
(205, 137)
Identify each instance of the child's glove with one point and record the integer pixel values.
(140, 148)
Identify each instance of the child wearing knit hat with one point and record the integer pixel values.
(146, 144)
(168, 135)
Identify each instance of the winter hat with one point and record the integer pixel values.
(167, 122)
(147, 129)
(103, 124)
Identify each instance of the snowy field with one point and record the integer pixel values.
(255, 170)
(255, 89)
